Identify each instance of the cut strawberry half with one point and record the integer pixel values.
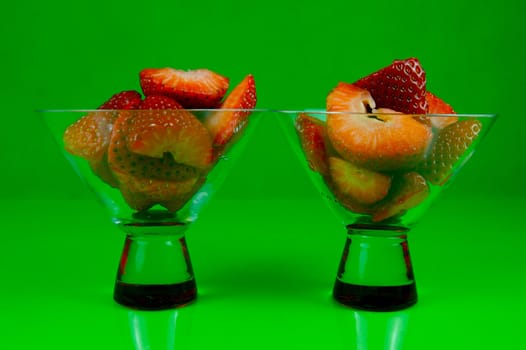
(400, 86)
(123, 100)
(153, 133)
(436, 105)
(146, 181)
(350, 98)
(362, 185)
(223, 125)
(314, 142)
(408, 191)
(450, 146)
(200, 88)
(384, 141)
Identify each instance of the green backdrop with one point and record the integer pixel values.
(63, 54)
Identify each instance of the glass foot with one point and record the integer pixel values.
(375, 271)
(155, 272)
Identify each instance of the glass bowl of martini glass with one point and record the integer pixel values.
(380, 169)
(153, 165)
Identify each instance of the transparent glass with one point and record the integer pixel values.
(379, 173)
(153, 210)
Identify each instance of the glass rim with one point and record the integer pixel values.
(270, 110)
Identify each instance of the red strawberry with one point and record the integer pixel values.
(407, 192)
(435, 105)
(349, 98)
(314, 142)
(123, 100)
(400, 86)
(200, 88)
(223, 125)
(178, 132)
(146, 181)
(362, 185)
(450, 146)
(159, 102)
(384, 141)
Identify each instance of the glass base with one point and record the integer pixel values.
(375, 271)
(390, 298)
(155, 296)
(155, 271)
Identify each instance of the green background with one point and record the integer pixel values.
(265, 251)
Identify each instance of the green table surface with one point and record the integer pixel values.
(264, 269)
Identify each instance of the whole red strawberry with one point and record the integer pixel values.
(400, 86)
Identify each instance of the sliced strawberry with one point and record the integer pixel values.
(89, 136)
(384, 141)
(349, 98)
(436, 105)
(450, 146)
(123, 161)
(224, 124)
(153, 133)
(123, 100)
(146, 181)
(400, 86)
(314, 142)
(407, 192)
(362, 185)
(200, 88)
(159, 102)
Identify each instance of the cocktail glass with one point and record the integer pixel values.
(379, 187)
(153, 200)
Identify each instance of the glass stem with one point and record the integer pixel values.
(155, 272)
(375, 271)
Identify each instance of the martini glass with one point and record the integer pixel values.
(154, 201)
(379, 182)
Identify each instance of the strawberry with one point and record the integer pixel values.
(200, 88)
(384, 141)
(400, 86)
(449, 147)
(153, 133)
(89, 136)
(123, 100)
(408, 190)
(145, 181)
(435, 105)
(314, 142)
(349, 98)
(224, 124)
(362, 185)
(159, 102)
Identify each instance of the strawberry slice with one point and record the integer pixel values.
(436, 105)
(407, 192)
(362, 185)
(314, 142)
(89, 136)
(349, 98)
(224, 125)
(384, 141)
(450, 146)
(400, 86)
(153, 133)
(146, 181)
(200, 88)
(123, 100)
